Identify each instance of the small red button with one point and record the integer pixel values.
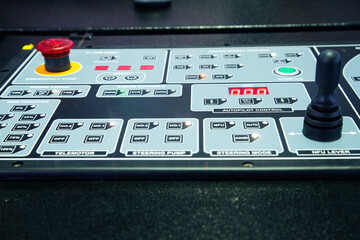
(147, 67)
(101, 68)
(124, 68)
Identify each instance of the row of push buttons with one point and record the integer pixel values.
(237, 55)
(23, 117)
(272, 55)
(202, 76)
(145, 138)
(62, 139)
(45, 92)
(112, 57)
(250, 101)
(123, 68)
(93, 125)
(137, 92)
(169, 125)
(209, 66)
(208, 56)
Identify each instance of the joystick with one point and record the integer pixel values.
(323, 119)
(56, 53)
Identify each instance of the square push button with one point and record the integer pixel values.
(16, 93)
(67, 93)
(93, 138)
(139, 138)
(59, 139)
(150, 57)
(173, 138)
(97, 126)
(42, 93)
(22, 108)
(174, 125)
(141, 126)
(25, 127)
(102, 125)
(31, 117)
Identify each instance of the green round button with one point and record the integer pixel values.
(287, 70)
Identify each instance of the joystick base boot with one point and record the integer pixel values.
(320, 129)
(322, 134)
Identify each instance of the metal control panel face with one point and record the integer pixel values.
(241, 65)
(249, 98)
(101, 66)
(118, 112)
(351, 73)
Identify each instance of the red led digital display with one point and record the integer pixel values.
(249, 91)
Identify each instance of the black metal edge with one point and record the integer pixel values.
(337, 26)
(173, 175)
(10, 67)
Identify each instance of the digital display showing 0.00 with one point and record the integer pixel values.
(249, 91)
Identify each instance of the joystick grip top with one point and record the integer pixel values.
(56, 53)
(327, 79)
(323, 119)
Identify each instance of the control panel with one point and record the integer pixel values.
(177, 110)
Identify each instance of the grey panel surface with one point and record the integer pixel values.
(21, 124)
(241, 137)
(216, 97)
(224, 65)
(136, 62)
(351, 73)
(81, 138)
(172, 137)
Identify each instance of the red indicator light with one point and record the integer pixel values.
(203, 75)
(249, 91)
(124, 68)
(147, 67)
(101, 68)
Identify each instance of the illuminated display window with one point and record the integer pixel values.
(249, 91)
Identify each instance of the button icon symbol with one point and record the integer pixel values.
(109, 78)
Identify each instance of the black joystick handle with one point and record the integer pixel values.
(323, 119)
(327, 79)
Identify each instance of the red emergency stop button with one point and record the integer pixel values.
(56, 53)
